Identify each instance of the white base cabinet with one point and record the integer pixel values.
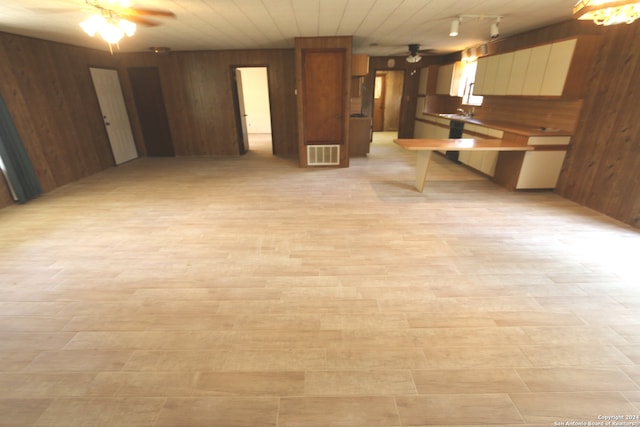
(540, 169)
(483, 161)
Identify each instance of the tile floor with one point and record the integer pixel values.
(249, 292)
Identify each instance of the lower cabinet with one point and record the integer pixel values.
(430, 130)
(483, 161)
(540, 169)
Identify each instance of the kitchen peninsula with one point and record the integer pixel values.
(425, 147)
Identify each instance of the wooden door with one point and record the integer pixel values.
(324, 90)
(147, 94)
(378, 102)
(114, 113)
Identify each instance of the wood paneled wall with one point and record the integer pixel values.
(198, 94)
(48, 90)
(561, 114)
(602, 167)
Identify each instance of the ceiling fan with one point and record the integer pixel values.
(113, 19)
(416, 54)
(123, 10)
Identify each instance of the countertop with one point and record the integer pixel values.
(504, 126)
(461, 144)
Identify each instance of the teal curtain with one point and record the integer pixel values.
(18, 167)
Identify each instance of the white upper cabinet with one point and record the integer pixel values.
(481, 74)
(492, 73)
(558, 67)
(449, 79)
(536, 69)
(505, 62)
(518, 71)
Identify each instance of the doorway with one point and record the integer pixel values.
(152, 115)
(252, 109)
(387, 100)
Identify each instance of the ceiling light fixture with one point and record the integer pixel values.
(455, 26)
(494, 30)
(159, 50)
(109, 26)
(607, 12)
(414, 55)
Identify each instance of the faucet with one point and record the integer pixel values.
(466, 113)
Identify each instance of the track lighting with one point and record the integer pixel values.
(455, 25)
(494, 30)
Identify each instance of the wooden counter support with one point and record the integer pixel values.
(424, 147)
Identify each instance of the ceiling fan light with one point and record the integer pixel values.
(412, 59)
(112, 34)
(607, 12)
(93, 24)
(128, 27)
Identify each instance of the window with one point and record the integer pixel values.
(466, 84)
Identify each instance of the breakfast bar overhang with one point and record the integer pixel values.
(425, 147)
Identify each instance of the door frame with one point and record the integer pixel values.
(402, 105)
(378, 114)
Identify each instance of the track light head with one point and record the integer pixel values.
(495, 31)
(455, 26)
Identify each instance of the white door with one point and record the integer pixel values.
(114, 113)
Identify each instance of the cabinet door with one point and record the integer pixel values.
(445, 74)
(481, 73)
(463, 157)
(489, 161)
(536, 70)
(540, 169)
(420, 106)
(518, 71)
(492, 73)
(424, 77)
(558, 67)
(359, 65)
(505, 63)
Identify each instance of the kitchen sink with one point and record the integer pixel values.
(453, 116)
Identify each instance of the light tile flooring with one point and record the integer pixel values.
(249, 292)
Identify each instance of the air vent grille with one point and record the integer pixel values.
(323, 155)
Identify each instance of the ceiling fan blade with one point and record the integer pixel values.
(147, 12)
(139, 20)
